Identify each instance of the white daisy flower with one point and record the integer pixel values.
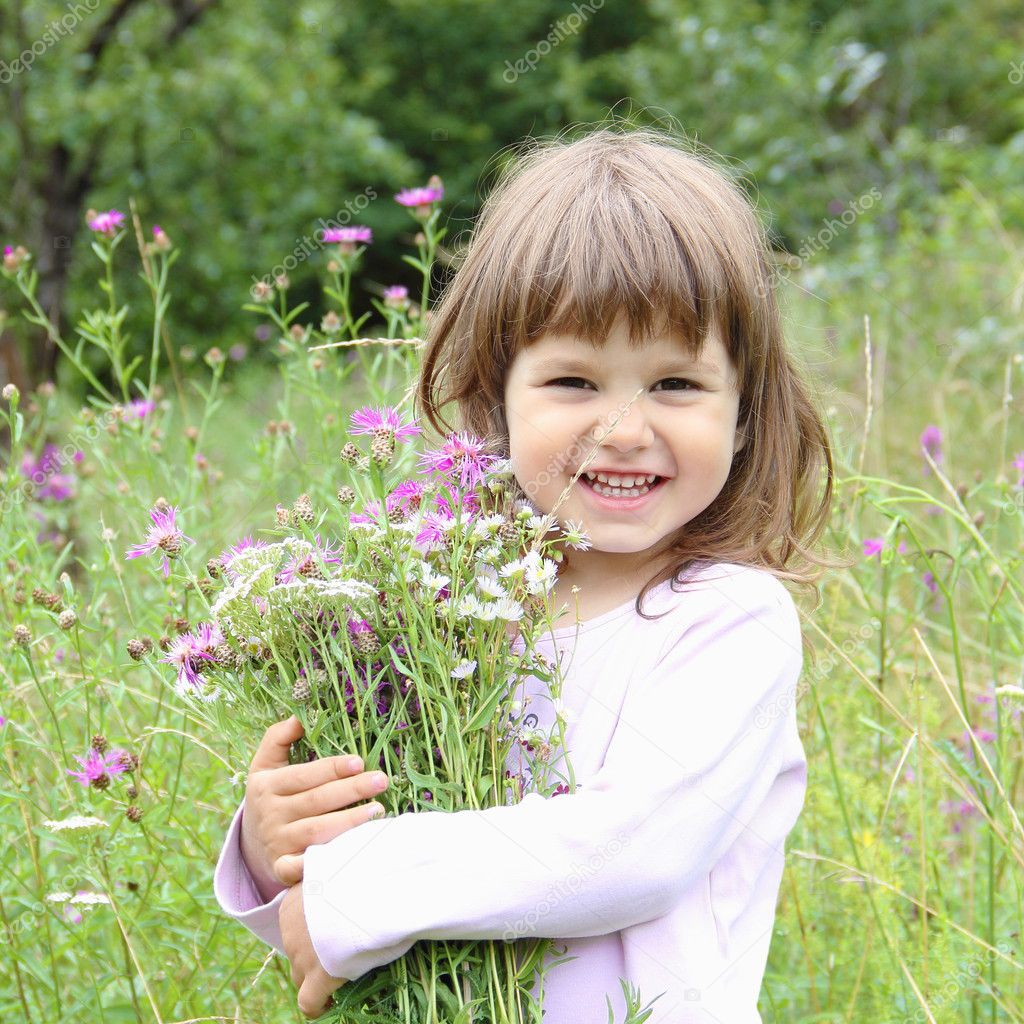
(77, 821)
(489, 585)
(575, 536)
(540, 577)
(58, 897)
(435, 580)
(561, 711)
(468, 607)
(491, 554)
(508, 609)
(464, 668)
(511, 568)
(487, 526)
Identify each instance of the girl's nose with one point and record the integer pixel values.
(624, 430)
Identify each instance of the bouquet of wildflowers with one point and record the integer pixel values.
(387, 631)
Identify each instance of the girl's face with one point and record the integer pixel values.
(562, 396)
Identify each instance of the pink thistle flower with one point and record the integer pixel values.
(106, 223)
(433, 529)
(97, 767)
(164, 536)
(368, 419)
(371, 514)
(407, 495)
(141, 407)
(346, 238)
(43, 474)
(873, 546)
(300, 565)
(420, 198)
(931, 442)
(225, 558)
(462, 456)
(396, 297)
(1018, 463)
(188, 651)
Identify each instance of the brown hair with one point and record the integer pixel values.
(643, 224)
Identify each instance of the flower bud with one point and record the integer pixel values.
(11, 393)
(67, 619)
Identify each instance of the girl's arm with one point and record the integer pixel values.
(699, 746)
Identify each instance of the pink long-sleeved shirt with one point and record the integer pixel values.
(663, 867)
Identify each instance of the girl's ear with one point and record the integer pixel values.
(741, 437)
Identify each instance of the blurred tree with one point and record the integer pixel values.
(238, 130)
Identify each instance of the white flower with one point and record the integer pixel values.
(575, 536)
(435, 580)
(237, 778)
(540, 573)
(539, 524)
(59, 897)
(468, 607)
(508, 609)
(77, 821)
(491, 554)
(464, 668)
(89, 897)
(355, 590)
(511, 568)
(487, 526)
(561, 711)
(488, 584)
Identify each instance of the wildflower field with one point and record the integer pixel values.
(132, 483)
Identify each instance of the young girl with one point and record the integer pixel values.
(616, 300)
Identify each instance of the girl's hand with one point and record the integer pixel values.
(289, 807)
(315, 985)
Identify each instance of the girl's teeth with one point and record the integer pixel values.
(627, 482)
(619, 492)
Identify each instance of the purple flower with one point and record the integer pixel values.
(419, 197)
(237, 352)
(929, 582)
(302, 564)
(96, 766)
(873, 546)
(164, 535)
(225, 558)
(1018, 463)
(141, 407)
(368, 419)
(43, 474)
(931, 442)
(190, 650)
(461, 457)
(396, 297)
(434, 528)
(106, 223)
(347, 236)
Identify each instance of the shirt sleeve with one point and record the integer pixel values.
(697, 747)
(236, 891)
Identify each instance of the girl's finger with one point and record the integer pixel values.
(288, 868)
(273, 749)
(324, 827)
(297, 778)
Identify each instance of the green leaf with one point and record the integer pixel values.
(484, 715)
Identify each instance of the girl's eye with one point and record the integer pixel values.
(678, 380)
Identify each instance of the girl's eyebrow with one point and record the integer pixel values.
(566, 363)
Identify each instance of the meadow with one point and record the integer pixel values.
(903, 897)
